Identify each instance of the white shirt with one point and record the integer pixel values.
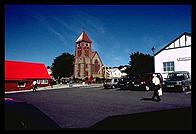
(34, 82)
(156, 81)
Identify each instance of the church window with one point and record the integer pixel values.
(96, 66)
(79, 52)
(86, 51)
(79, 70)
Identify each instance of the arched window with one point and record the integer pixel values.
(97, 66)
(79, 50)
(78, 70)
(86, 51)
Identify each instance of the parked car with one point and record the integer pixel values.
(125, 83)
(111, 83)
(144, 81)
(177, 81)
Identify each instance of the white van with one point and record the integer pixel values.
(111, 83)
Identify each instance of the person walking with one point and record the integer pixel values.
(89, 80)
(34, 85)
(156, 87)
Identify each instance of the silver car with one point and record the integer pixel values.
(111, 83)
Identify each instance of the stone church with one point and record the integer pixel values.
(86, 62)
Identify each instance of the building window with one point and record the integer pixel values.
(38, 81)
(44, 82)
(96, 66)
(79, 52)
(168, 66)
(21, 84)
(86, 51)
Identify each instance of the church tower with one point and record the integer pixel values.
(82, 64)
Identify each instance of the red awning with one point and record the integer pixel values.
(17, 70)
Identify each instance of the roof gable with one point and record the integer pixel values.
(171, 43)
(93, 56)
(16, 70)
(83, 37)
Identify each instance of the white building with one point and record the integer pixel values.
(123, 74)
(176, 56)
(113, 73)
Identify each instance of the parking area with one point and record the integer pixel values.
(82, 107)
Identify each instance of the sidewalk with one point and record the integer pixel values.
(58, 86)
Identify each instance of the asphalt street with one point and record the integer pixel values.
(82, 107)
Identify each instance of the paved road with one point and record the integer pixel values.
(82, 107)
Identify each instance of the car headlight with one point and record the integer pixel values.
(132, 82)
(178, 82)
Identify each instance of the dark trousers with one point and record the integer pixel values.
(34, 88)
(156, 88)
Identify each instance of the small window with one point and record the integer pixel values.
(21, 84)
(38, 81)
(168, 66)
(87, 45)
(44, 82)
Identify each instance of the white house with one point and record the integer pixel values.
(114, 73)
(176, 56)
(123, 74)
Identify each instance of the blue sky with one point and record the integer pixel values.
(39, 33)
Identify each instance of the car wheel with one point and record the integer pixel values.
(189, 87)
(113, 86)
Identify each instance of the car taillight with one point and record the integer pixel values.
(143, 82)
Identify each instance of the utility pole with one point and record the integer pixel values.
(153, 50)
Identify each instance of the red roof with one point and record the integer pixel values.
(83, 37)
(17, 70)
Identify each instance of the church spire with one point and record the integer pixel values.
(83, 37)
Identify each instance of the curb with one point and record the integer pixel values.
(54, 87)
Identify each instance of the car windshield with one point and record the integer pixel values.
(176, 76)
(108, 80)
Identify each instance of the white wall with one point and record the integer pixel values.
(180, 56)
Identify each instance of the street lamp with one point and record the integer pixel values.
(153, 50)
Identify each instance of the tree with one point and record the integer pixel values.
(140, 63)
(63, 66)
